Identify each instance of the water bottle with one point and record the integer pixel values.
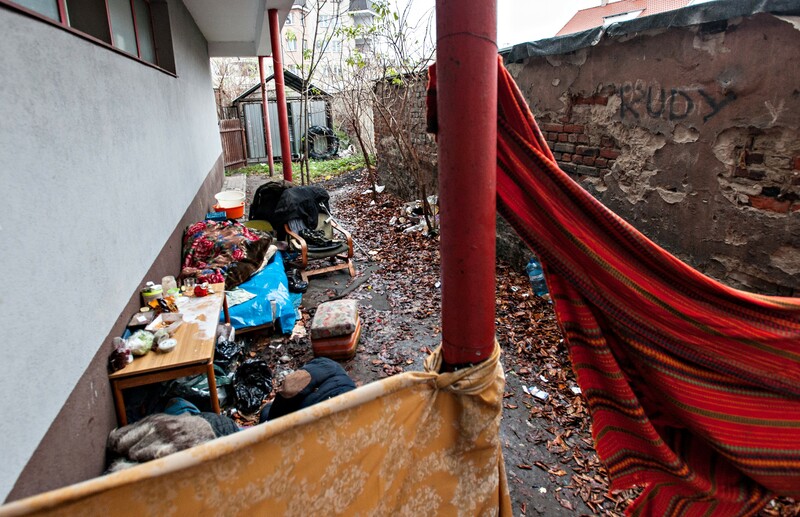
(536, 276)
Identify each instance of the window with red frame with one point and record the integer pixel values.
(139, 28)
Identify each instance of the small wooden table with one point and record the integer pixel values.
(193, 354)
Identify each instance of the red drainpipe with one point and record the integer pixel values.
(280, 90)
(265, 116)
(466, 69)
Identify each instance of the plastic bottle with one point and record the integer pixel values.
(536, 276)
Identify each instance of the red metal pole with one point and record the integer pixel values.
(280, 90)
(466, 68)
(265, 116)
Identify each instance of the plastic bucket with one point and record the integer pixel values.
(229, 198)
(233, 212)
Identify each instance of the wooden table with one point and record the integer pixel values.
(193, 354)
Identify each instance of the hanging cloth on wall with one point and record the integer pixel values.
(694, 387)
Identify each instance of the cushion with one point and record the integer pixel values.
(334, 319)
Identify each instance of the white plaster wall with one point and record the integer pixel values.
(99, 158)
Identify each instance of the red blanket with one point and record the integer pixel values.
(694, 387)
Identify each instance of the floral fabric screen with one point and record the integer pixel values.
(419, 443)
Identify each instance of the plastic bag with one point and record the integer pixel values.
(227, 353)
(121, 355)
(253, 384)
(195, 388)
(140, 342)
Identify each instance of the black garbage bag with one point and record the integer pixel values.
(227, 353)
(253, 383)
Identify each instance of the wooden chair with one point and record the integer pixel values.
(340, 256)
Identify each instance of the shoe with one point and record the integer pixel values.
(315, 238)
(296, 282)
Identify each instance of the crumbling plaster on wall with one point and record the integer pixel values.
(705, 121)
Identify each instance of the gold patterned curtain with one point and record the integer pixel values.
(419, 443)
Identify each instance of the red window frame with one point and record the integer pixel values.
(62, 24)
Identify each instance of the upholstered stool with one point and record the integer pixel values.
(335, 329)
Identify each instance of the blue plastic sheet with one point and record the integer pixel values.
(270, 284)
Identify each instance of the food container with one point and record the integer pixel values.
(166, 320)
(151, 292)
(234, 212)
(230, 198)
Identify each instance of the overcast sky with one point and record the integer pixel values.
(523, 20)
(530, 20)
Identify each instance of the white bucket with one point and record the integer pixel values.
(229, 198)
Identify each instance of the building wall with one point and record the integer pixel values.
(104, 161)
(690, 134)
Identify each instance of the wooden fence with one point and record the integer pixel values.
(234, 147)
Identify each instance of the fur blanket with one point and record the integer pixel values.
(156, 436)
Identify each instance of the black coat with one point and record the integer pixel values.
(328, 379)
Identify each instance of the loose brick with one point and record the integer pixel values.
(562, 147)
(587, 151)
(563, 137)
(583, 139)
(557, 128)
(577, 159)
(552, 136)
(754, 159)
(569, 168)
(573, 128)
(796, 163)
(594, 99)
(600, 162)
(572, 138)
(770, 203)
(588, 160)
(611, 154)
(566, 157)
(588, 171)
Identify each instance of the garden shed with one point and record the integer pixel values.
(248, 109)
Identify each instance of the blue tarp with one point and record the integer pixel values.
(270, 284)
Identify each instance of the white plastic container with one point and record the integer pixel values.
(229, 198)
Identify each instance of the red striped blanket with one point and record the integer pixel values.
(694, 387)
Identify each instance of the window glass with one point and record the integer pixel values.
(291, 44)
(145, 29)
(48, 8)
(122, 25)
(89, 16)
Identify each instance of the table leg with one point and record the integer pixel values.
(225, 308)
(212, 388)
(119, 404)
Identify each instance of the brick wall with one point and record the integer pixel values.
(405, 99)
(690, 134)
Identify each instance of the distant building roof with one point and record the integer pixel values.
(620, 10)
(360, 5)
(293, 81)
